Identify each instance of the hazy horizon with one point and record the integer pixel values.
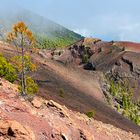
(105, 19)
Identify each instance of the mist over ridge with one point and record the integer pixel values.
(43, 28)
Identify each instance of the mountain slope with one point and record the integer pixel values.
(46, 31)
(81, 90)
(42, 119)
(119, 63)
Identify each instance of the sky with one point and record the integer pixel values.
(105, 19)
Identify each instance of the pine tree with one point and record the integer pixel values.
(23, 39)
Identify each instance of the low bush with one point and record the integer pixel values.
(90, 114)
(85, 58)
(61, 92)
(31, 86)
(122, 95)
(7, 71)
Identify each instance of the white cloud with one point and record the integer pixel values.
(84, 32)
(116, 27)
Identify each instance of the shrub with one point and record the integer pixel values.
(7, 71)
(85, 58)
(61, 92)
(90, 114)
(31, 86)
(122, 95)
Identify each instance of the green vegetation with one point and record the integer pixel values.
(22, 38)
(44, 42)
(31, 86)
(48, 34)
(85, 58)
(90, 114)
(61, 92)
(122, 99)
(17, 64)
(7, 71)
(10, 72)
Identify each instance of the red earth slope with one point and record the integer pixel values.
(42, 119)
(82, 91)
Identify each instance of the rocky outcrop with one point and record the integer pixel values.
(127, 67)
(132, 59)
(37, 102)
(75, 53)
(48, 119)
(43, 119)
(15, 131)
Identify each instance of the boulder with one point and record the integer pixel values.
(37, 102)
(15, 131)
(61, 109)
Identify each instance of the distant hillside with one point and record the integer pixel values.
(48, 33)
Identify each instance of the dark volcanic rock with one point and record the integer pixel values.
(133, 59)
(128, 67)
(89, 66)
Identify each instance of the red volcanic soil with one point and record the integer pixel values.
(42, 119)
(129, 46)
(81, 90)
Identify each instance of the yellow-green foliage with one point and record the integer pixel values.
(61, 92)
(28, 65)
(85, 58)
(23, 39)
(7, 71)
(31, 86)
(122, 92)
(90, 114)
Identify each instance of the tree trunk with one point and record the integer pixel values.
(23, 78)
